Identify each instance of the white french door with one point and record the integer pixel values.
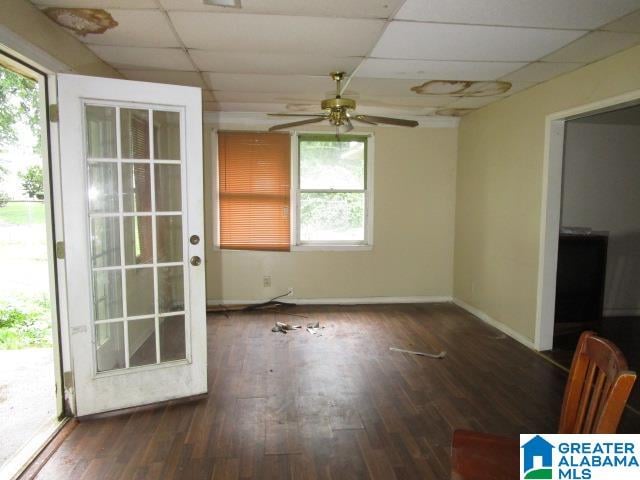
(131, 168)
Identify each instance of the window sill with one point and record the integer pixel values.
(331, 248)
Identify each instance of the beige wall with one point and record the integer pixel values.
(25, 20)
(499, 188)
(414, 204)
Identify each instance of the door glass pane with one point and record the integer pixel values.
(138, 243)
(142, 342)
(168, 192)
(123, 204)
(136, 187)
(172, 338)
(110, 346)
(107, 294)
(170, 289)
(134, 129)
(169, 233)
(140, 292)
(166, 135)
(105, 242)
(101, 132)
(103, 188)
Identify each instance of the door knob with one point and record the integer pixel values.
(194, 239)
(195, 260)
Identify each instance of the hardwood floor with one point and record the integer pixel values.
(336, 406)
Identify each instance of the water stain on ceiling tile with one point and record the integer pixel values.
(462, 88)
(82, 20)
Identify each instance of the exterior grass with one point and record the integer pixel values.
(25, 324)
(22, 213)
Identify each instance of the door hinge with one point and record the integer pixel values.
(67, 379)
(53, 113)
(60, 250)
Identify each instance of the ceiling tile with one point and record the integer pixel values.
(136, 28)
(284, 98)
(418, 69)
(272, 64)
(578, 14)
(628, 24)
(594, 46)
(254, 107)
(322, 8)
(375, 107)
(541, 71)
(428, 41)
(474, 102)
(143, 57)
(106, 4)
(281, 84)
(174, 77)
(384, 86)
(415, 101)
(228, 32)
(518, 86)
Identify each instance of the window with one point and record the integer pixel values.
(254, 190)
(333, 196)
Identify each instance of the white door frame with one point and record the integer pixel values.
(551, 207)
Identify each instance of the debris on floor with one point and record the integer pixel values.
(314, 328)
(422, 354)
(284, 327)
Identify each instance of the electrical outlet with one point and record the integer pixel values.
(266, 281)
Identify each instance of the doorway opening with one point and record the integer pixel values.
(590, 252)
(30, 399)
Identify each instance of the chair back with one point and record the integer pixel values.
(598, 387)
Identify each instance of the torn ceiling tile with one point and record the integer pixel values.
(82, 20)
(454, 112)
(459, 88)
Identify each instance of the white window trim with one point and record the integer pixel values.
(296, 244)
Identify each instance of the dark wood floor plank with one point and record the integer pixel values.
(338, 405)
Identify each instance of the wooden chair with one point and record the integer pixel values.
(597, 390)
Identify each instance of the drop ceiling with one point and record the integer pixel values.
(275, 55)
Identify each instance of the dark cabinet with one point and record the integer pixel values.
(582, 263)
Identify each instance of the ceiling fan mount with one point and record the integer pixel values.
(339, 112)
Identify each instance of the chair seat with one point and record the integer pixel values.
(481, 456)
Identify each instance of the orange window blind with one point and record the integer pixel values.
(254, 184)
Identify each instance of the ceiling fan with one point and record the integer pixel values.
(339, 112)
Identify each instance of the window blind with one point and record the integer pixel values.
(254, 186)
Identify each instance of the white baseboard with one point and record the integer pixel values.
(621, 312)
(339, 301)
(495, 323)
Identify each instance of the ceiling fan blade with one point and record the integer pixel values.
(390, 121)
(360, 118)
(296, 114)
(295, 124)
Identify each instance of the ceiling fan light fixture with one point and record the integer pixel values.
(223, 3)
